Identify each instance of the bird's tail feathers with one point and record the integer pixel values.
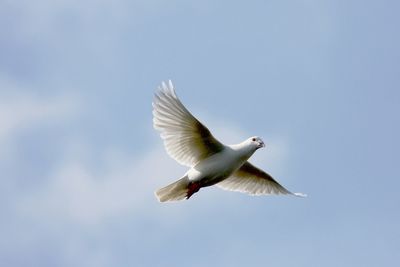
(173, 192)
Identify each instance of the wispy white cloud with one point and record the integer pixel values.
(80, 194)
(22, 109)
(22, 112)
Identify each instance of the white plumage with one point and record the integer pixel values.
(191, 144)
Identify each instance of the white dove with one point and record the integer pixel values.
(190, 143)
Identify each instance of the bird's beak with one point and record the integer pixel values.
(262, 144)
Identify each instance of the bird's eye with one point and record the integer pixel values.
(253, 139)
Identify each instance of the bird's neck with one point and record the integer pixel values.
(243, 149)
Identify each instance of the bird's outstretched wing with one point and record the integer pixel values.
(250, 179)
(185, 138)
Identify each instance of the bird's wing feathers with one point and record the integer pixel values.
(250, 179)
(185, 138)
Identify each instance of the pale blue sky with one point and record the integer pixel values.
(79, 161)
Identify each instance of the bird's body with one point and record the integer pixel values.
(191, 143)
(219, 166)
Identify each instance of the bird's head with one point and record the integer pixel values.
(256, 142)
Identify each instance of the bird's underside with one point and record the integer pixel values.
(190, 143)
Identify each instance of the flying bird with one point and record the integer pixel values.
(211, 162)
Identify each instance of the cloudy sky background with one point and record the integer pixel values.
(79, 161)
